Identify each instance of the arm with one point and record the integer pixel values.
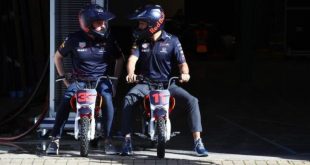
(184, 72)
(131, 66)
(180, 58)
(58, 58)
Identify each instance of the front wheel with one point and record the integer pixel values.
(161, 137)
(84, 141)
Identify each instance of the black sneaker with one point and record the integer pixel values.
(127, 148)
(109, 148)
(53, 147)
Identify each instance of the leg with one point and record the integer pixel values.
(184, 99)
(63, 111)
(189, 103)
(130, 101)
(196, 135)
(132, 97)
(61, 119)
(105, 90)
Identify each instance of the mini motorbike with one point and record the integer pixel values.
(157, 105)
(87, 104)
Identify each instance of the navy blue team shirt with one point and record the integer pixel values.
(167, 50)
(90, 59)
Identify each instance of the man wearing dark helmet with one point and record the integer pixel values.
(155, 52)
(93, 52)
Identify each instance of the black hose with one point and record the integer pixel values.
(42, 116)
(27, 102)
(24, 106)
(13, 145)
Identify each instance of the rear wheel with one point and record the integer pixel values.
(161, 137)
(84, 142)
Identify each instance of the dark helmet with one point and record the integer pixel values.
(152, 14)
(91, 13)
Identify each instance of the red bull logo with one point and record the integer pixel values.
(158, 23)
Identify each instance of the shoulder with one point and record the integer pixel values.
(76, 35)
(170, 37)
(72, 39)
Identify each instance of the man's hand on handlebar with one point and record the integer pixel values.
(131, 78)
(184, 77)
(65, 79)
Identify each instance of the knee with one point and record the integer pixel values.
(69, 93)
(67, 96)
(129, 100)
(106, 96)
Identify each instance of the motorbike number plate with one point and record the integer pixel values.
(159, 97)
(86, 96)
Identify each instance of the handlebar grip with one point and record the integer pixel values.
(60, 78)
(113, 78)
(175, 77)
(108, 77)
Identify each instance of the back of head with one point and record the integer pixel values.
(91, 13)
(153, 15)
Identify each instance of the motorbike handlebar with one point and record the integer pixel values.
(69, 76)
(60, 78)
(141, 78)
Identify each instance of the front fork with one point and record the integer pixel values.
(152, 126)
(92, 129)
